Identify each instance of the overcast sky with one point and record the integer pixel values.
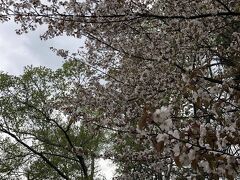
(17, 51)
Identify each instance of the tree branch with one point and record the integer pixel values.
(36, 152)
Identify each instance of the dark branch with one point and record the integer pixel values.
(200, 16)
(47, 118)
(36, 152)
(224, 5)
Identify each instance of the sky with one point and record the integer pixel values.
(17, 51)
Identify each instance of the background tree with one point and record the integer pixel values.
(171, 79)
(41, 136)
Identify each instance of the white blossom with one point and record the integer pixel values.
(166, 125)
(191, 154)
(203, 130)
(205, 166)
(176, 150)
(161, 115)
(162, 137)
(184, 159)
(176, 134)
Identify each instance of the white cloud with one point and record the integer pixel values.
(27, 49)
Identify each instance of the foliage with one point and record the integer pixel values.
(170, 79)
(39, 133)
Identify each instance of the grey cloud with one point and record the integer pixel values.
(27, 49)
